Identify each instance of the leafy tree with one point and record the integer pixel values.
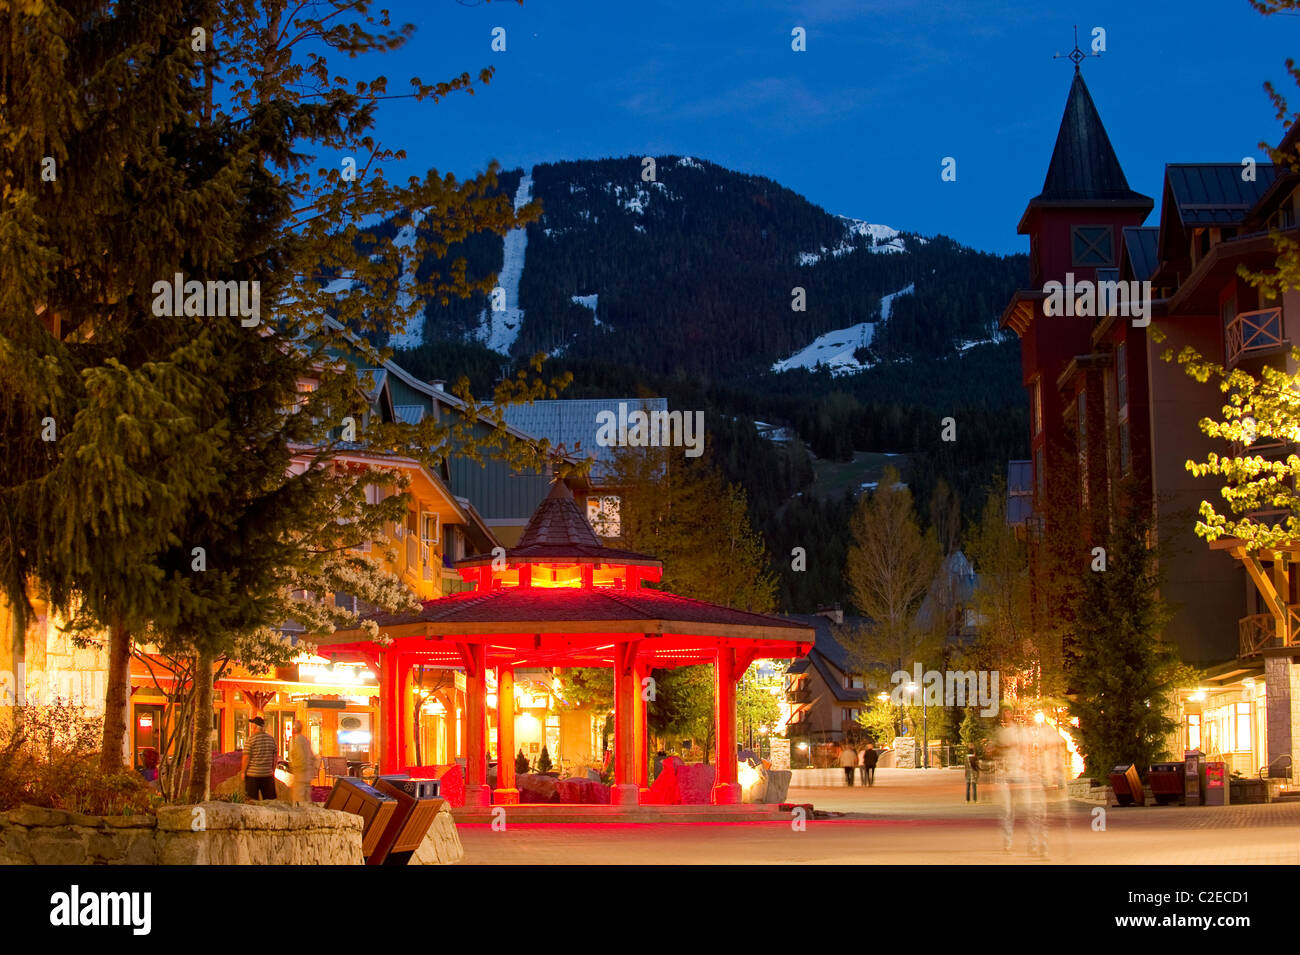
(891, 565)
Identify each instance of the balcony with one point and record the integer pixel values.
(1258, 631)
(802, 695)
(1253, 333)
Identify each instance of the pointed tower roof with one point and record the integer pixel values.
(1084, 170)
(558, 532)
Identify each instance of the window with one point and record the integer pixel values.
(1092, 245)
(1082, 406)
(603, 515)
(1193, 730)
(1242, 729)
(1121, 378)
(429, 527)
(1038, 473)
(1125, 452)
(1036, 406)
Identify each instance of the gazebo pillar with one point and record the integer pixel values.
(627, 694)
(477, 792)
(390, 712)
(642, 737)
(726, 791)
(505, 793)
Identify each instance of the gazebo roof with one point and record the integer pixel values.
(565, 626)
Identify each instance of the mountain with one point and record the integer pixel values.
(698, 273)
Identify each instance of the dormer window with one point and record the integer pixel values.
(1092, 246)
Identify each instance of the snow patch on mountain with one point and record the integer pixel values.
(499, 329)
(413, 334)
(887, 301)
(860, 234)
(690, 162)
(834, 350)
(638, 196)
(588, 301)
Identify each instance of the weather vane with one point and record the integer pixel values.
(1075, 56)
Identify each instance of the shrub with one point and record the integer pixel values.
(521, 762)
(48, 758)
(544, 761)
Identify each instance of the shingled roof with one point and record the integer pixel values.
(1084, 167)
(559, 532)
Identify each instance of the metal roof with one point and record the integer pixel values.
(1140, 244)
(1215, 193)
(573, 423)
(410, 414)
(1084, 166)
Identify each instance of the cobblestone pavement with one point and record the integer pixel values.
(913, 817)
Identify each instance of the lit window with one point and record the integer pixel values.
(1194, 731)
(1036, 407)
(603, 515)
(1242, 729)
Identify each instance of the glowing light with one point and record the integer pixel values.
(1040, 717)
(1197, 697)
(747, 775)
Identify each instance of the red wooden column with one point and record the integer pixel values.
(627, 692)
(390, 704)
(505, 793)
(642, 737)
(726, 791)
(477, 792)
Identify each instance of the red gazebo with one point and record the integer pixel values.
(562, 599)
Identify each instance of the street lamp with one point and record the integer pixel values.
(925, 726)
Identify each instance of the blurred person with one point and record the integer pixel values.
(302, 764)
(870, 756)
(972, 775)
(849, 761)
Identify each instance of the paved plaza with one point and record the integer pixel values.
(912, 817)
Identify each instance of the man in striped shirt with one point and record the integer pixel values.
(258, 764)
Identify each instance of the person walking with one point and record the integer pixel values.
(849, 761)
(870, 756)
(972, 776)
(302, 764)
(258, 762)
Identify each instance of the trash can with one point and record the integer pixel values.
(1127, 786)
(1166, 781)
(1216, 784)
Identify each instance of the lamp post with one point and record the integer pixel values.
(925, 726)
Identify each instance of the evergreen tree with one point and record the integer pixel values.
(1123, 675)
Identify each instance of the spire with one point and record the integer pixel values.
(557, 522)
(1084, 167)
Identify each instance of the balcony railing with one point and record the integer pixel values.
(1258, 631)
(1251, 332)
(799, 696)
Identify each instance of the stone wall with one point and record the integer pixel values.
(441, 845)
(32, 836)
(212, 833)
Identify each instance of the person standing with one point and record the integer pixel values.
(258, 762)
(849, 761)
(870, 756)
(302, 763)
(972, 776)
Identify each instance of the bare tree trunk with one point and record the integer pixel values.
(115, 699)
(200, 773)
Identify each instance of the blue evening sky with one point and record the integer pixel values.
(860, 122)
